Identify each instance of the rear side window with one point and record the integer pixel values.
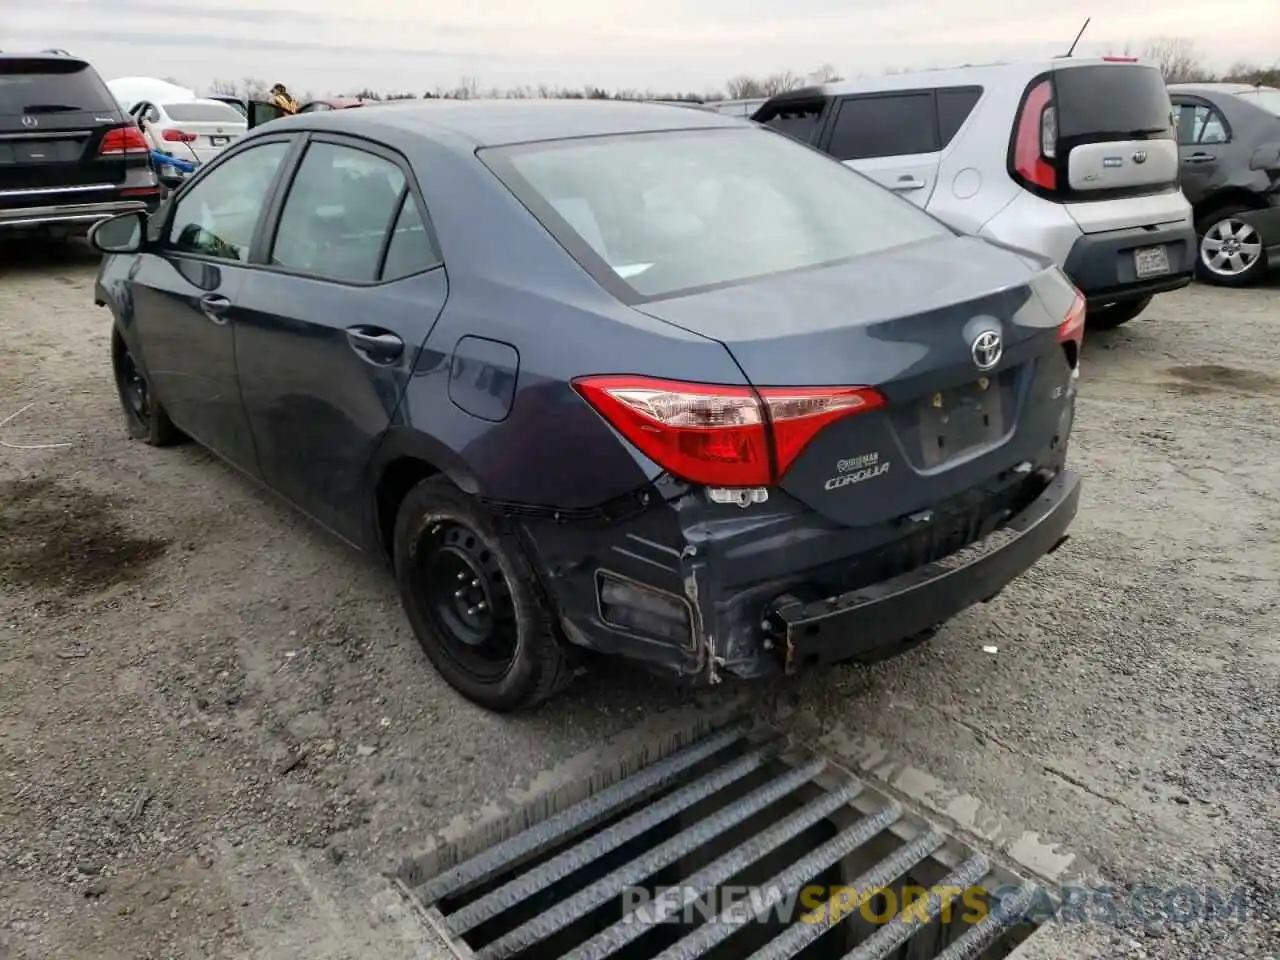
(1200, 123)
(203, 113)
(344, 208)
(35, 87)
(954, 106)
(893, 125)
(1111, 102)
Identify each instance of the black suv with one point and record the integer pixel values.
(68, 155)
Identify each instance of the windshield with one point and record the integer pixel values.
(53, 88)
(1266, 99)
(203, 112)
(654, 215)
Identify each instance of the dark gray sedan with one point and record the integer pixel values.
(617, 377)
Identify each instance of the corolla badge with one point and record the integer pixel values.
(987, 349)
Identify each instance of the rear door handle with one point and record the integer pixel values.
(908, 182)
(215, 307)
(1201, 158)
(375, 344)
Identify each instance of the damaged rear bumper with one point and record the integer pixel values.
(706, 592)
(885, 613)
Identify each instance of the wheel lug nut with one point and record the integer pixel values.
(472, 611)
(475, 583)
(479, 606)
(462, 576)
(458, 594)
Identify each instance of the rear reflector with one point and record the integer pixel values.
(721, 436)
(1120, 59)
(1035, 139)
(177, 136)
(123, 141)
(1072, 328)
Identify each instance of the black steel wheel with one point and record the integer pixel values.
(474, 600)
(145, 417)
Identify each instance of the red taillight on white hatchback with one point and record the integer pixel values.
(720, 436)
(177, 136)
(123, 141)
(1035, 139)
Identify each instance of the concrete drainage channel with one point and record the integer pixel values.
(739, 844)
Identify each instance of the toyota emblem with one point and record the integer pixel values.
(30, 121)
(987, 350)
(1140, 156)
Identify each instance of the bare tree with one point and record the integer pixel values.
(777, 83)
(1176, 58)
(226, 88)
(1242, 72)
(253, 88)
(743, 87)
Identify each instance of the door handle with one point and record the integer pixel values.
(908, 182)
(375, 344)
(215, 307)
(1201, 158)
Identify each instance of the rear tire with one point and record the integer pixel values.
(1115, 314)
(145, 417)
(1221, 230)
(474, 601)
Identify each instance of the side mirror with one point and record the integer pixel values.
(120, 234)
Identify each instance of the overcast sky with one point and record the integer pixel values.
(328, 46)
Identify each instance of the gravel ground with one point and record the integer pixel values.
(214, 721)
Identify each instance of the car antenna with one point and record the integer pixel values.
(1072, 48)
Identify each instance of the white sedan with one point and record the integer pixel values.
(194, 131)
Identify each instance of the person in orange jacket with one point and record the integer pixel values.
(281, 98)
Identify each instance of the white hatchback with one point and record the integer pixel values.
(194, 131)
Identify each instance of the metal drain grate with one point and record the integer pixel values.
(740, 845)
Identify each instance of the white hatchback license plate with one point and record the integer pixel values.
(1151, 261)
(219, 141)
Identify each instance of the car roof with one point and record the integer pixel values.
(42, 56)
(1219, 87)
(490, 123)
(969, 74)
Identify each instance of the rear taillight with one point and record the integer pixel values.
(1071, 329)
(123, 141)
(720, 436)
(177, 136)
(1120, 59)
(1035, 138)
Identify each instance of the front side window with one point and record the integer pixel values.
(218, 215)
(897, 125)
(338, 213)
(652, 215)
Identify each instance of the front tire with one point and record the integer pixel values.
(144, 415)
(474, 601)
(1115, 314)
(1230, 252)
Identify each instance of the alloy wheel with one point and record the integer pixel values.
(1230, 247)
(133, 387)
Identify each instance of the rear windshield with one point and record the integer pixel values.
(1123, 101)
(197, 112)
(654, 215)
(32, 88)
(1266, 99)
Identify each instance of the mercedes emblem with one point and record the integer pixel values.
(30, 121)
(987, 350)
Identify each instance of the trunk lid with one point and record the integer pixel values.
(215, 126)
(54, 112)
(904, 321)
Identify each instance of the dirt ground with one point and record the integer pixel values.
(216, 728)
